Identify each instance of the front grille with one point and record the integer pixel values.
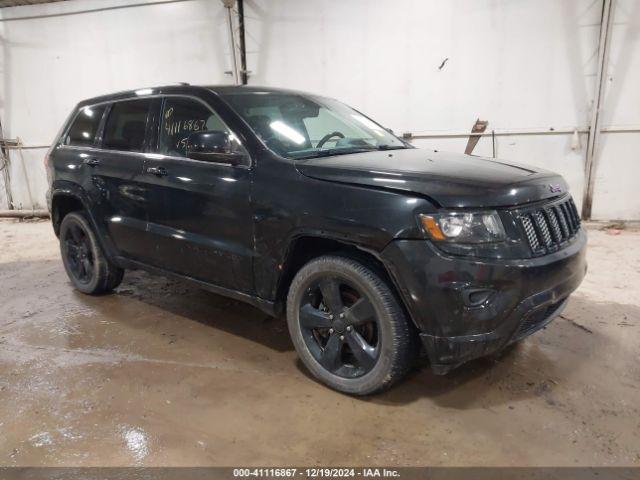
(549, 226)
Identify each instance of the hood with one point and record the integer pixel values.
(448, 179)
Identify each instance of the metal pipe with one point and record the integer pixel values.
(6, 172)
(620, 129)
(18, 145)
(517, 132)
(91, 10)
(243, 48)
(24, 214)
(228, 4)
(594, 129)
(499, 133)
(493, 142)
(26, 147)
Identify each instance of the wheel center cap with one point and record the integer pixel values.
(339, 325)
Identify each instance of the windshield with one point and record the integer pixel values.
(300, 126)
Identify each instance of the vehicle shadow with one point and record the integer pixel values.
(231, 316)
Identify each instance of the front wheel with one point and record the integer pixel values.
(348, 326)
(88, 268)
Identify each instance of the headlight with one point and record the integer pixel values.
(463, 227)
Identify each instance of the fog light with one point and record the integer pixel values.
(474, 297)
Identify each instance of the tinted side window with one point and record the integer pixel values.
(180, 118)
(85, 126)
(126, 125)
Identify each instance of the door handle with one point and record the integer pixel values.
(92, 162)
(159, 171)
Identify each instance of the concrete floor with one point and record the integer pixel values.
(160, 373)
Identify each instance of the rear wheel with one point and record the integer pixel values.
(86, 265)
(348, 327)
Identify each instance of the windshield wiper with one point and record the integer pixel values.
(346, 150)
(391, 147)
(336, 151)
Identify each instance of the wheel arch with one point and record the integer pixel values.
(69, 197)
(62, 203)
(305, 248)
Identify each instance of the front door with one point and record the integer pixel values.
(200, 219)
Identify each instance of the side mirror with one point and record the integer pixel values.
(212, 146)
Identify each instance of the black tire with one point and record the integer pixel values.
(375, 344)
(87, 267)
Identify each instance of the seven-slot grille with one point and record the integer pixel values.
(549, 226)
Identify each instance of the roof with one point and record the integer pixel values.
(228, 89)
(182, 87)
(17, 3)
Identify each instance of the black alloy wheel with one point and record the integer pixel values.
(348, 326)
(77, 249)
(340, 327)
(88, 268)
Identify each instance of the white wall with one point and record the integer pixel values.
(50, 64)
(519, 64)
(617, 181)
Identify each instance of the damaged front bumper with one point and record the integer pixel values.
(468, 308)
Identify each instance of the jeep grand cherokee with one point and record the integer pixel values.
(300, 205)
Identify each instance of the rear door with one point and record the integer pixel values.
(201, 218)
(121, 195)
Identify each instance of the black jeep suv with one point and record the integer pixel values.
(299, 204)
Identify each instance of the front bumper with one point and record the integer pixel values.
(522, 296)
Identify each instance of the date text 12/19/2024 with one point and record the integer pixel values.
(315, 472)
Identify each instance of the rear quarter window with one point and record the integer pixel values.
(84, 128)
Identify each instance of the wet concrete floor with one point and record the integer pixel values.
(161, 373)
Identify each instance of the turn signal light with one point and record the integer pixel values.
(429, 223)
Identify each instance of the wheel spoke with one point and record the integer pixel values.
(82, 273)
(330, 358)
(361, 312)
(330, 289)
(313, 318)
(76, 234)
(72, 248)
(365, 354)
(348, 317)
(87, 267)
